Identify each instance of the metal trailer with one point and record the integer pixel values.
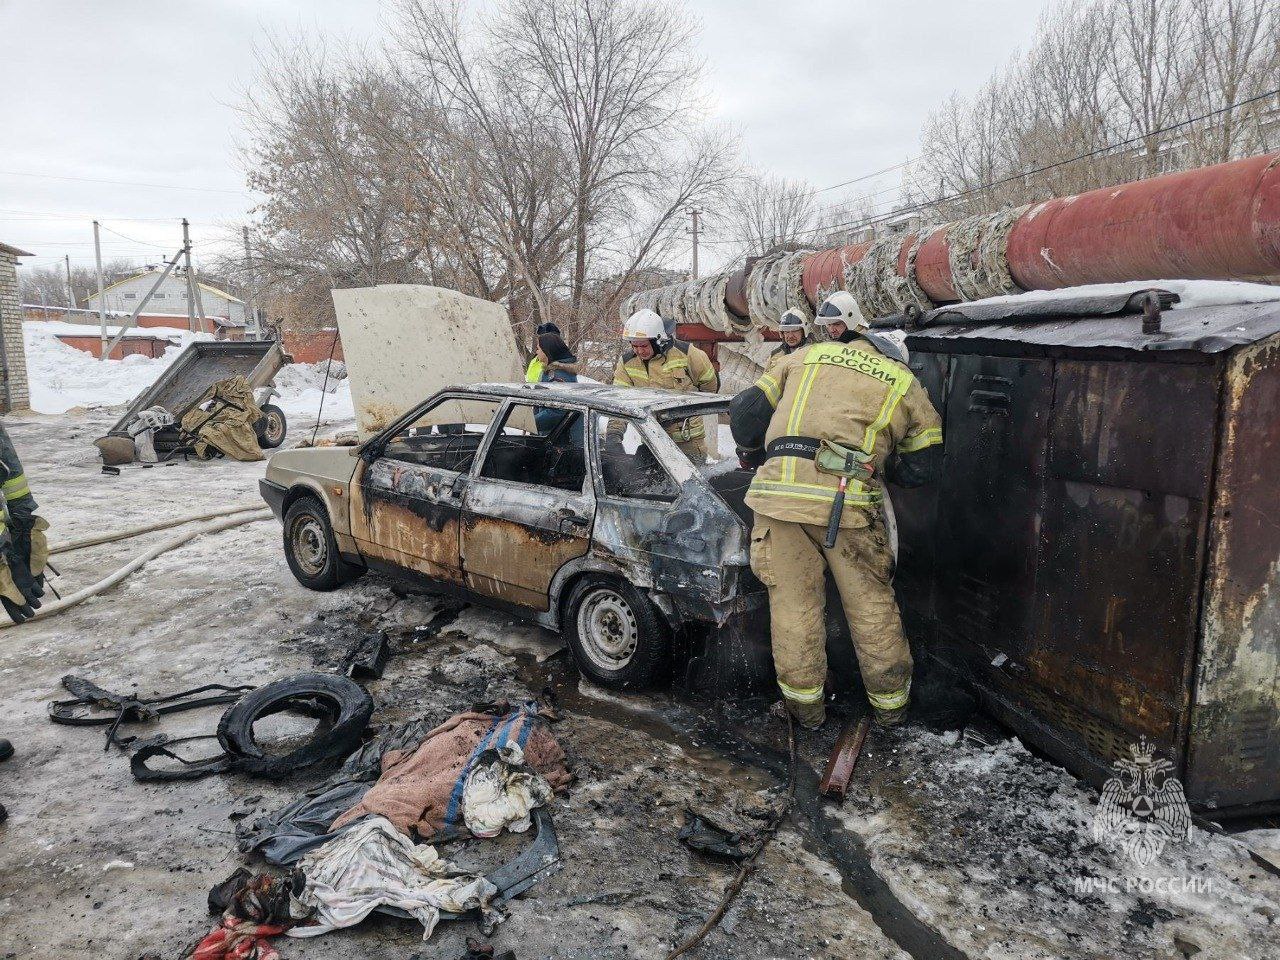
(1101, 558)
(198, 368)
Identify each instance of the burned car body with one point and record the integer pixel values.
(514, 495)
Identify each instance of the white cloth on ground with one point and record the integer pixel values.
(372, 864)
(502, 792)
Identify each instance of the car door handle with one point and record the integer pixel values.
(571, 519)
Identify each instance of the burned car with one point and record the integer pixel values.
(568, 504)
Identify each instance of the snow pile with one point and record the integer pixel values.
(302, 385)
(1193, 293)
(62, 377)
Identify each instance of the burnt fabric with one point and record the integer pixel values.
(373, 866)
(284, 836)
(227, 425)
(255, 909)
(421, 790)
(235, 939)
(791, 561)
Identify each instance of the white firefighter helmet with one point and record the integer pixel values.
(793, 319)
(644, 325)
(841, 307)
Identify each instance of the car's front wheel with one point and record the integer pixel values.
(617, 636)
(310, 548)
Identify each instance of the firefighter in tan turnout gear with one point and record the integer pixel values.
(793, 328)
(831, 418)
(653, 359)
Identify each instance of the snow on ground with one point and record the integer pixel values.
(62, 377)
(1193, 293)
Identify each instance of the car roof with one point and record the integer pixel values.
(628, 401)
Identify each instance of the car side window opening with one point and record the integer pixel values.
(629, 467)
(447, 435)
(540, 446)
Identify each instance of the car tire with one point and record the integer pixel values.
(272, 427)
(617, 635)
(310, 547)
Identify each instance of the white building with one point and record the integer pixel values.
(169, 301)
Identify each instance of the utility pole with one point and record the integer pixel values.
(694, 212)
(191, 284)
(102, 303)
(71, 297)
(249, 286)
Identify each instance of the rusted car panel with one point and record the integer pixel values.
(1235, 720)
(516, 538)
(408, 514)
(1061, 562)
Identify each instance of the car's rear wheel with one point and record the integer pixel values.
(272, 427)
(617, 636)
(310, 548)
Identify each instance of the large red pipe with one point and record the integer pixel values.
(1212, 223)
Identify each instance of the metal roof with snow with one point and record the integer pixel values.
(1095, 322)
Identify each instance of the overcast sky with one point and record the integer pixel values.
(144, 91)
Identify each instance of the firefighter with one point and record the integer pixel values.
(837, 415)
(23, 550)
(795, 334)
(654, 359)
(23, 546)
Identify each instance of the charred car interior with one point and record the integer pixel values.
(569, 505)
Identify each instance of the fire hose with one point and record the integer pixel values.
(221, 520)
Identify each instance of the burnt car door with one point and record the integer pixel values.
(529, 509)
(406, 495)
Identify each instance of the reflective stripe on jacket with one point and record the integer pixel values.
(849, 393)
(682, 367)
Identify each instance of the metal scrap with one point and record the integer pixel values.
(835, 782)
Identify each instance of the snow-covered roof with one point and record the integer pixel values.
(149, 273)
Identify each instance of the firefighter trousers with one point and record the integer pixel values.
(791, 561)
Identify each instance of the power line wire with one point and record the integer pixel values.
(854, 225)
(121, 183)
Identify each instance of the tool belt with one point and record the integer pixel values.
(682, 431)
(827, 456)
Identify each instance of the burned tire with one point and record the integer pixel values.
(272, 427)
(341, 702)
(617, 636)
(311, 549)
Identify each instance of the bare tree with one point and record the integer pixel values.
(766, 212)
(1112, 90)
(48, 285)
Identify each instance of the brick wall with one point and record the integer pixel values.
(311, 347)
(15, 394)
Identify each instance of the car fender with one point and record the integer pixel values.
(635, 574)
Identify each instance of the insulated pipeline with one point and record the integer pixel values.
(106, 583)
(1213, 223)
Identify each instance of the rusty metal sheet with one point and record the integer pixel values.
(1118, 590)
(844, 757)
(1235, 722)
(408, 515)
(996, 436)
(515, 538)
(1139, 426)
